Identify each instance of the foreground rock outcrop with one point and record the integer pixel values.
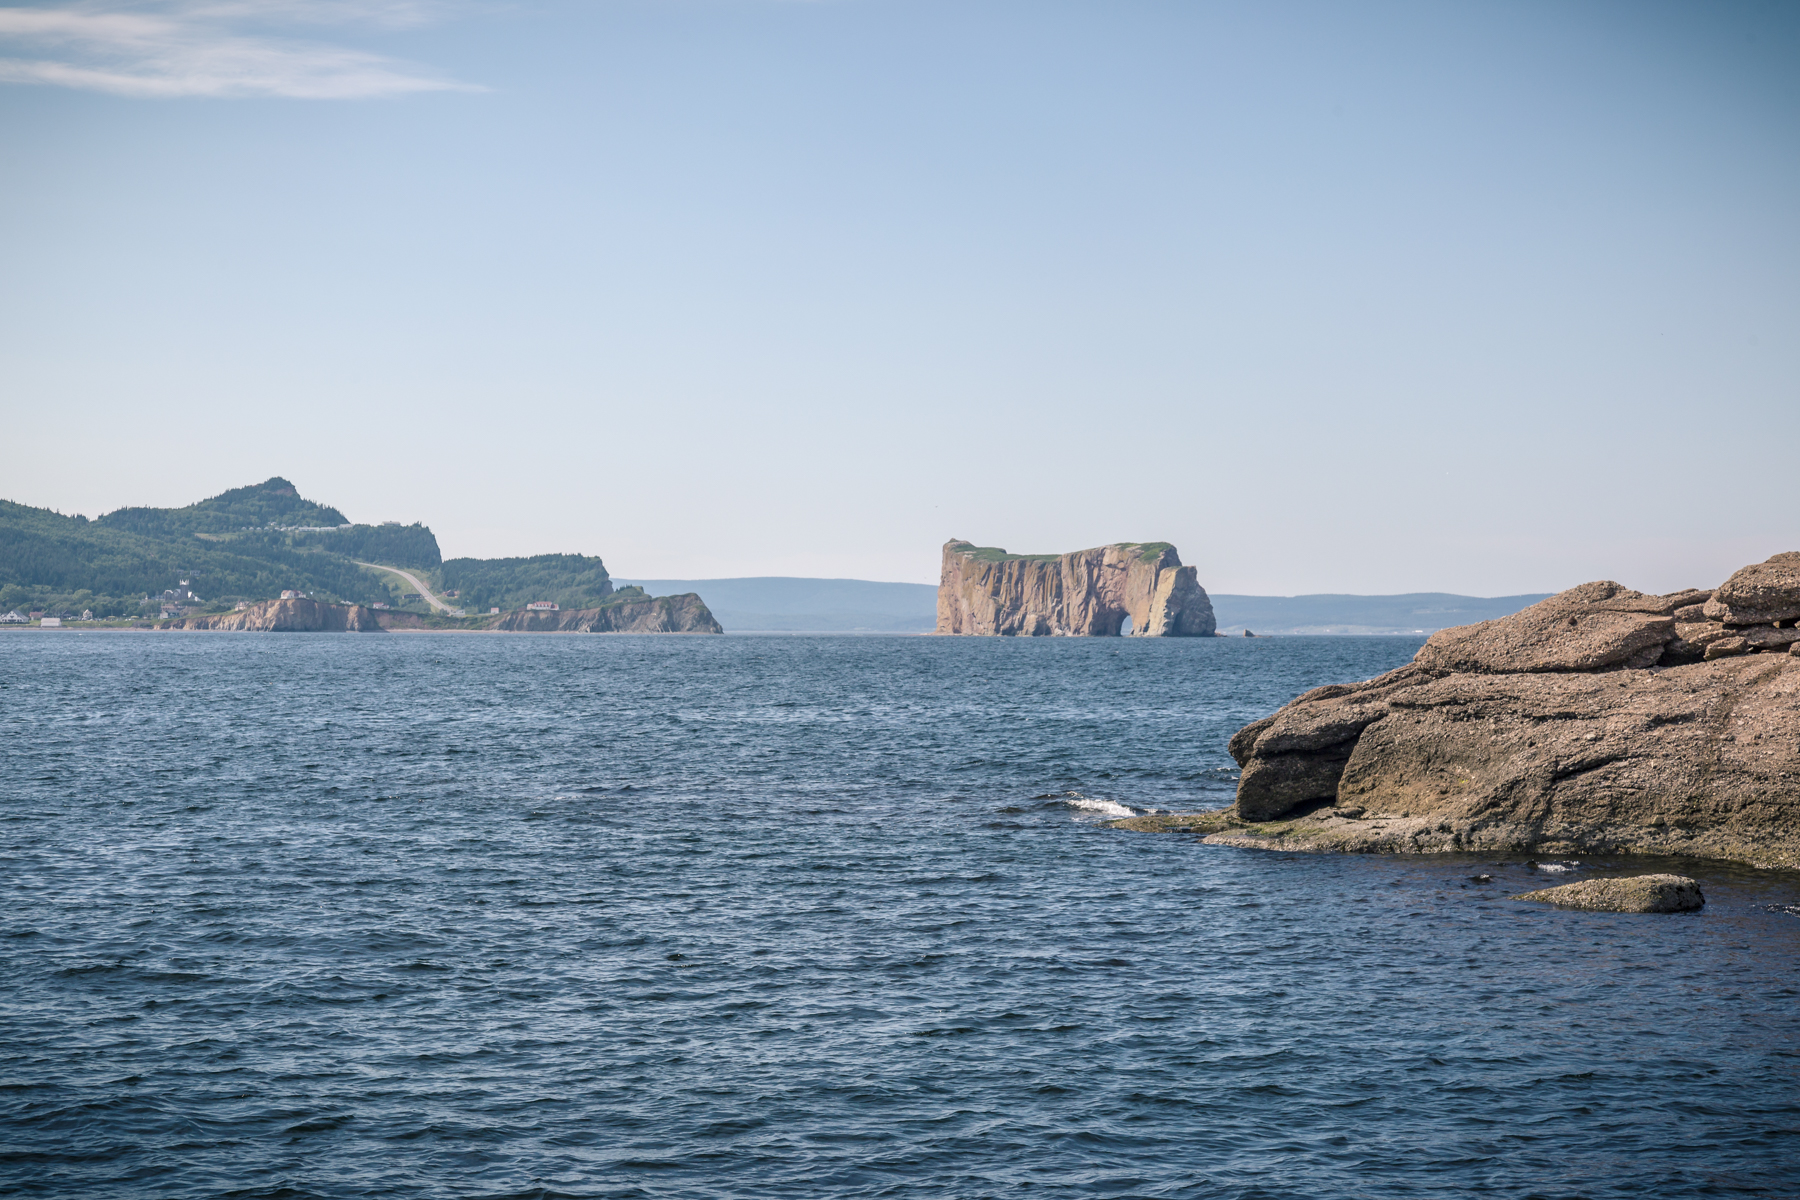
(1089, 593)
(1638, 894)
(288, 616)
(685, 613)
(1601, 720)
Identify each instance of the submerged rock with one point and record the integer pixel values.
(1087, 593)
(1637, 894)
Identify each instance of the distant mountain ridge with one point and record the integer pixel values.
(792, 604)
(1407, 613)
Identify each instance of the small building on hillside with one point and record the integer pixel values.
(541, 606)
(241, 605)
(87, 614)
(51, 622)
(291, 594)
(379, 604)
(15, 617)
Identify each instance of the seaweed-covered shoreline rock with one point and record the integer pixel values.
(1601, 720)
(1636, 894)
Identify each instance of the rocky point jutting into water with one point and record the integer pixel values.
(1601, 720)
(1088, 593)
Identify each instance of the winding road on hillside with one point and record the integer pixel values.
(418, 584)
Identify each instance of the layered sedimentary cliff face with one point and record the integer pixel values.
(1601, 720)
(1088, 593)
(686, 613)
(289, 616)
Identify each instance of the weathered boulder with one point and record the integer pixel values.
(1088, 593)
(288, 616)
(1583, 629)
(1637, 894)
(1760, 594)
(1590, 723)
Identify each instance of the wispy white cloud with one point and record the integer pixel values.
(211, 48)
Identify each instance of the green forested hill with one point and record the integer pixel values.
(394, 545)
(54, 561)
(572, 580)
(273, 503)
(252, 543)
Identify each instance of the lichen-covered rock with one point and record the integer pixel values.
(1760, 594)
(1487, 742)
(1637, 894)
(1088, 593)
(288, 616)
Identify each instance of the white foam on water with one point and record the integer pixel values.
(1089, 804)
(1556, 868)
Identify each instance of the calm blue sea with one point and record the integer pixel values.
(588, 916)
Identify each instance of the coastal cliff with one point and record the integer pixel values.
(288, 616)
(662, 614)
(1600, 721)
(1088, 593)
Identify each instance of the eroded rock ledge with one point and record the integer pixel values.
(1601, 720)
(1087, 593)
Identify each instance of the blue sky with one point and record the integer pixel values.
(1486, 298)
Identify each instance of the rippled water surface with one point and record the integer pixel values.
(442, 915)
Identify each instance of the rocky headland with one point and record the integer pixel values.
(660, 614)
(1599, 721)
(1088, 593)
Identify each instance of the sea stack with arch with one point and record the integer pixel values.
(1087, 593)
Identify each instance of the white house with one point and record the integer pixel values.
(290, 594)
(15, 617)
(541, 606)
(51, 623)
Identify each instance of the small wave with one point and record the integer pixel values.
(1555, 868)
(1792, 910)
(1111, 808)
